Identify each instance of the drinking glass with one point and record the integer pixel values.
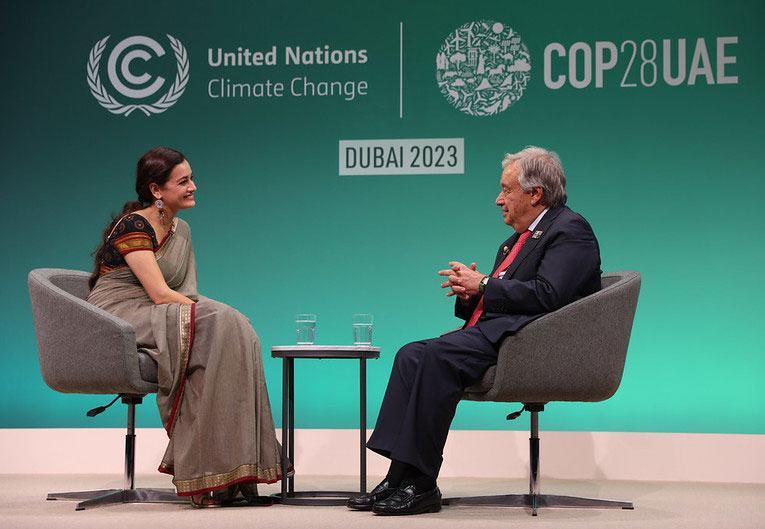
(362, 329)
(306, 328)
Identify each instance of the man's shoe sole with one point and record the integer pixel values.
(364, 508)
(436, 507)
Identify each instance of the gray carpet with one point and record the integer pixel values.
(657, 505)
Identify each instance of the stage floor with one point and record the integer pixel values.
(670, 505)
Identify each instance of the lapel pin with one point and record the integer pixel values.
(537, 234)
(505, 250)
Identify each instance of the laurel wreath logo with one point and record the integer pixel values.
(163, 103)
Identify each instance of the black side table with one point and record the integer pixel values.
(288, 354)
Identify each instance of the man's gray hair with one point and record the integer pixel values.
(540, 168)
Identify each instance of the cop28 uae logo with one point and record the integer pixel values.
(126, 71)
(483, 67)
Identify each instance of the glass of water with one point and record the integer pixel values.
(362, 329)
(306, 328)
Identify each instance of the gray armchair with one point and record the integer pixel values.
(84, 349)
(576, 353)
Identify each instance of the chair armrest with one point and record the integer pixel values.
(82, 349)
(576, 353)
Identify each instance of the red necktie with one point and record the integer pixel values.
(502, 267)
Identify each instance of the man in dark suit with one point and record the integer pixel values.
(551, 260)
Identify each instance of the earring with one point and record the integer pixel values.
(160, 211)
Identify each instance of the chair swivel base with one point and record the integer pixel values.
(99, 498)
(539, 500)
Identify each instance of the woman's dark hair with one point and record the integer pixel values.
(154, 167)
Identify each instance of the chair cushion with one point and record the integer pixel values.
(575, 353)
(147, 366)
(486, 382)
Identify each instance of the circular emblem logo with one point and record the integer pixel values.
(483, 68)
(126, 71)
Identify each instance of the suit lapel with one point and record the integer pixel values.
(532, 242)
(502, 254)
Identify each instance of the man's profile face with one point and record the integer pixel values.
(515, 204)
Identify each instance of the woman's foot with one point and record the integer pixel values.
(205, 500)
(230, 496)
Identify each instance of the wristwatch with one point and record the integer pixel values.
(482, 284)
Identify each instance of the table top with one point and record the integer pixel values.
(325, 351)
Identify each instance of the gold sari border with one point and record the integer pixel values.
(160, 250)
(186, 314)
(250, 472)
(133, 241)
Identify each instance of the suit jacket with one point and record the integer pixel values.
(560, 266)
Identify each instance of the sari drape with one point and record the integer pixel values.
(212, 394)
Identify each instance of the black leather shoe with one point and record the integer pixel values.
(408, 499)
(366, 501)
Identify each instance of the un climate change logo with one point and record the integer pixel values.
(483, 68)
(122, 67)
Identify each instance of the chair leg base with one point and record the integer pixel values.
(539, 500)
(100, 498)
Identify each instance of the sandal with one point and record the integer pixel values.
(205, 500)
(230, 496)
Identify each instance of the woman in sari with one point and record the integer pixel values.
(212, 394)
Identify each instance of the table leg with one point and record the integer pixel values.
(285, 422)
(292, 419)
(363, 425)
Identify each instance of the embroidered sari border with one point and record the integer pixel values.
(186, 324)
(249, 472)
(133, 241)
(160, 250)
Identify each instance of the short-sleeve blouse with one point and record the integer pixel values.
(132, 233)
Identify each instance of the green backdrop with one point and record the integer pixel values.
(667, 175)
